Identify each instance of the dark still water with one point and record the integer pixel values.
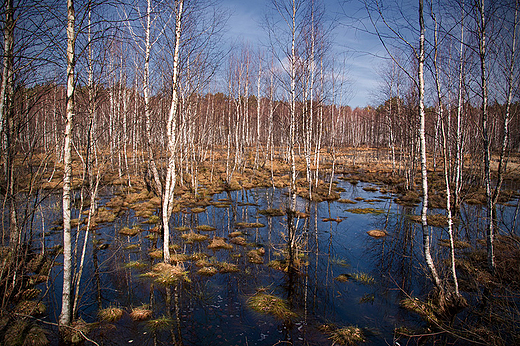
(343, 276)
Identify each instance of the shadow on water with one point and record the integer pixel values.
(320, 261)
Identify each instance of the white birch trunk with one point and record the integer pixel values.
(171, 128)
(65, 316)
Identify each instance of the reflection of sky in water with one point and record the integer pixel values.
(213, 310)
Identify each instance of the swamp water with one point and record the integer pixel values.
(213, 309)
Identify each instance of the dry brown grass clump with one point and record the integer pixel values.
(111, 314)
(377, 233)
(157, 254)
(366, 211)
(271, 212)
(205, 228)
(193, 237)
(410, 198)
(249, 225)
(181, 228)
(239, 241)
(457, 244)
(104, 215)
(141, 313)
(30, 307)
(256, 256)
(135, 264)
(346, 201)
(235, 234)
(347, 336)
(270, 304)
(161, 323)
(167, 274)
(219, 243)
(197, 210)
(207, 271)
(342, 278)
(130, 232)
(435, 220)
(225, 267)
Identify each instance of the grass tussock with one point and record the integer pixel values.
(205, 228)
(197, 210)
(347, 336)
(435, 220)
(363, 278)
(249, 225)
(457, 244)
(342, 278)
(346, 201)
(373, 211)
(192, 237)
(161, 323)
(235, 234)
(218, 243)
(256, 256)
(271, 212)
(239, 241)
(130, 232)
(225, 267)
(104, 215)
(111, 314)
(207, 271)
(152, 220)
(167, 274)
(329, 219)
(179, 258)
(377, 233)
(156, 254)
(409, 199)
(135, 265)
(272, 305)
(424, 309)
(370, 188)
(30, 307)
(140, 313)
(181, 228)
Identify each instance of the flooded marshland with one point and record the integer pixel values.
(233, 253)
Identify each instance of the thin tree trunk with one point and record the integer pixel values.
(65, 316)
(171, 128)
(424, 172)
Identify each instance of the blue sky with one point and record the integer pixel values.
(245, 25)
